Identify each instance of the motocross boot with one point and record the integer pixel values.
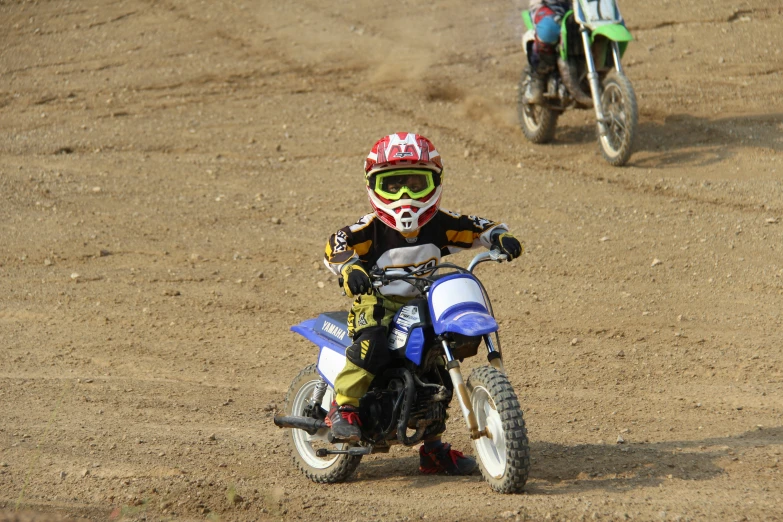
(534, 92)
(344, 422)
(443, 459)
(541, 67)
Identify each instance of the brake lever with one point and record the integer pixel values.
(377, 277)
(497, 255)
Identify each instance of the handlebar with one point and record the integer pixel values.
(490, 255)
(383, 277)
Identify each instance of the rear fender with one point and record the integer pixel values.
(331, 356)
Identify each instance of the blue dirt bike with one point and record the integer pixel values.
(407, 401)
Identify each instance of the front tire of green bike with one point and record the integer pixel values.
(618, 102)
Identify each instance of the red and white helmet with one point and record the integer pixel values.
(409, 155)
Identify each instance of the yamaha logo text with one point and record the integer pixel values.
(333, 329)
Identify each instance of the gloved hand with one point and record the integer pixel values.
(508, 244)
(355, 280)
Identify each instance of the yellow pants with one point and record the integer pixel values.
(368, 324)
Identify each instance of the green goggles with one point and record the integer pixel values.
(415, 183)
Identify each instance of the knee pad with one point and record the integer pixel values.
(548, 31)
(369, 350)
(366, 312)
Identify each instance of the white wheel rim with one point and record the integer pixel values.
(303, 440)
(491, 450)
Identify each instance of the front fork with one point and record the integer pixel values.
(592, 77)
(595, 85)
(453, 366)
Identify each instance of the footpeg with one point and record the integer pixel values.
(355, 451)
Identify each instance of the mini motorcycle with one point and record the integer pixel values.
(428, 338)
(589, 74)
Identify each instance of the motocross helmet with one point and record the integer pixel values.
(404, 176)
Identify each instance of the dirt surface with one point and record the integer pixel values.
(170, 172)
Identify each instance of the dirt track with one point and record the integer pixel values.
(169, 174)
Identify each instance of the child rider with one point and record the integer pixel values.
(404, 177)
(546, 15)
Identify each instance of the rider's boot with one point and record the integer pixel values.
(344, 422)
(534, 92)
(541, 65)
(438, 457)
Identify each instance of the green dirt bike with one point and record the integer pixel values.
(589, 74)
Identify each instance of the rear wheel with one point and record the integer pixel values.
(504, 455)
(618, 101)
(538, 122)
(329, 469)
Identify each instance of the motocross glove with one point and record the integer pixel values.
(508, 244)
(355, 280)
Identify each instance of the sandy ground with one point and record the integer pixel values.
(170, 172)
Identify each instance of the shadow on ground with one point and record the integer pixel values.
(682, 139)
(559, 469)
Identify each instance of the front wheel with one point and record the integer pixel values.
(538, 122)
(329, 469)
(504, 455)
(622, 115)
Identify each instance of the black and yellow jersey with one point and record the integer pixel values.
(373, 243)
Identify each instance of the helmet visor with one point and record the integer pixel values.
(393, 184)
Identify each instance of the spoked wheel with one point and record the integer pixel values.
(504, 455)
(619, 105)
(538, 122)
(329, 469)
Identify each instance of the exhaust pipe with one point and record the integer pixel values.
(307, 424)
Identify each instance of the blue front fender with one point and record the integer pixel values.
(470, 323)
